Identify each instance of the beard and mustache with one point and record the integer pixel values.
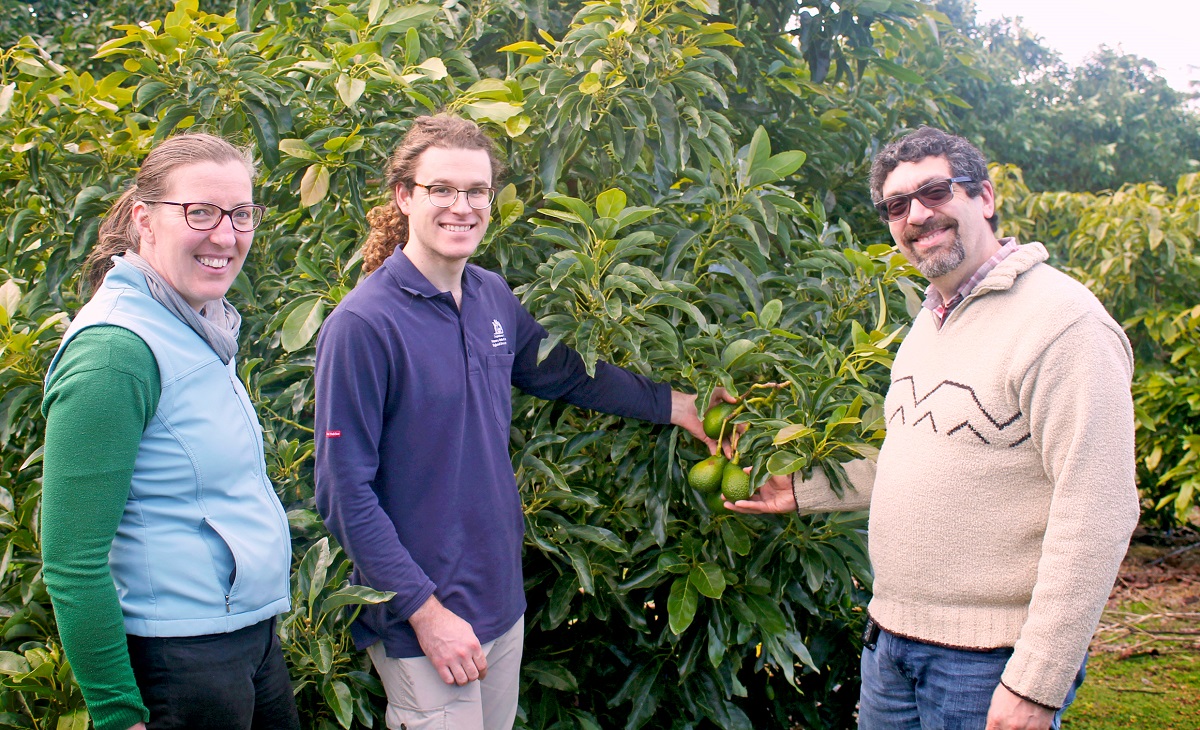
(939, 261)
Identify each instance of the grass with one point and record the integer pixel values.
(1144, 667)
(1155, 691)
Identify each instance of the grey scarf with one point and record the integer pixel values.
(217, 323)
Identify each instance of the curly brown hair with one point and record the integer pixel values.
(389, 227)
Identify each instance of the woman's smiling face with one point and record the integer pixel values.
(200, 265)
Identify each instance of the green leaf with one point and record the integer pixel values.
(760, 150)
(526, 48)
(376, 9)
(412, 46)
(6, 94)
(792, 432)
(32, 67)
(610, 203)
(550, 674)
(323, 656)
(10, 299)
(36, 456)
(590, 84)
(354, 596)
(682, 605)
(302, 323)
(786, 462)
(792, 640)
(314, 186)
(735, 350)
(497, 112)
(766, 614)
(785, 163)
(265, 131)
(769, 316)
(75, 720)
(598, 536)
(737, 537)
(338, 695)
(433, 68)
(316, 567)
(516, 125)
(672, 563)
(635, 214)
(409, 16)
(114, 46)
(582, 564)
(169, 120)
(583, 213)
(708, 580)
(149, 91)
(298, 148)
(898, 72)
(349, 89)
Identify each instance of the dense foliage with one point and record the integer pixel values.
(647, 220)
(686, 199)
(1136, 249)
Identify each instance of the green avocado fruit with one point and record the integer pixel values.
(715, 418)
(716, 503)
(705, 477)
(735, 483)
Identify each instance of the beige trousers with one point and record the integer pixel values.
(418, 699)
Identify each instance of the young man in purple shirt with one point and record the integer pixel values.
(413, 402)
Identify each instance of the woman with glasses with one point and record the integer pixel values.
(166, 551)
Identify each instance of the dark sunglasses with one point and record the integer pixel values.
(931, 195)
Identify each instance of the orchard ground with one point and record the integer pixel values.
(1144, 668)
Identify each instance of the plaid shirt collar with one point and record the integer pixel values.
(941, 308)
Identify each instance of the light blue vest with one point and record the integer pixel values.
(203, 546)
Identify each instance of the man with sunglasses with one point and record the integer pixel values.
(1003, 497)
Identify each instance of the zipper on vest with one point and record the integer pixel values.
(226, 603)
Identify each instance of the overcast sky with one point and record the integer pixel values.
(1164, 31)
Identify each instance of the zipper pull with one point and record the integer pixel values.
(226, 604)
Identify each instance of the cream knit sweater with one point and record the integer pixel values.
(1004, 495)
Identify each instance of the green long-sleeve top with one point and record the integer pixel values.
(100, 399)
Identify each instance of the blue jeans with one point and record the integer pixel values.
(232, 681)
(911, 685)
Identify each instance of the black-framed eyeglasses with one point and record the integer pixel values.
(444, 196)
(931, 195)
(207, 216)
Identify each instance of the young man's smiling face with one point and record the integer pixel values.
(445, 236)
(949, 242)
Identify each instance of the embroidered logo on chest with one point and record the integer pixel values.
(498, 338)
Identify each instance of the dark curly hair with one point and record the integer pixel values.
(965, 161)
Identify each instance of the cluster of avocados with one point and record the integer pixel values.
(716, 477)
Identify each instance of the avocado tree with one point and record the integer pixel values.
(683, 201)
(1136, 249)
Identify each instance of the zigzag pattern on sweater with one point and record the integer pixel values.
(987, 430)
